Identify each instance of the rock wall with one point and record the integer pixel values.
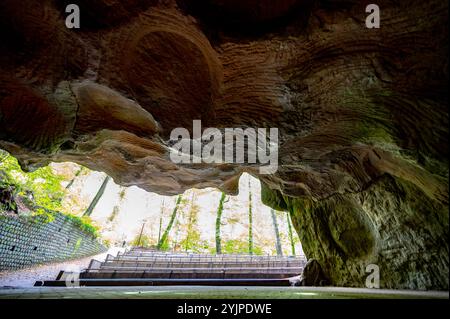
(25, 241)
(362, 113)
(391, 224)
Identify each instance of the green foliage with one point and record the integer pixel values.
(113, 214)
(122, 193)
(85, 224)
(77, 245)
(250, 220)
(7, 193)
(141, 241)
(43, 185)
(192, 235)
(47, 216)
(193, 243)
(164, 246)
(106, 243)
(163, 243)
(43, 188)
(257, 250)
(219, 223)
(236, 246)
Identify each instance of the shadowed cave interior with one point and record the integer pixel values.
(362, 113)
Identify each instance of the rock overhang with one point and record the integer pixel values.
(352, 105)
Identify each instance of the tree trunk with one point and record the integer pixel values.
(277, 233)
(140, 235)
(116, 208)
(160, 221)
(75, 177)
(291, 236)
(192, 219)
(97, 197)
(165, 236)
(218, 224)
(250, 220)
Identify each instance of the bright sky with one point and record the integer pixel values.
(138, 206)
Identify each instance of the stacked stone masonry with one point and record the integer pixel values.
(25, 241)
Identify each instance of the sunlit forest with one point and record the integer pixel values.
(201, 221)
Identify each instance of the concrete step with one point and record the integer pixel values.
(168, 282)
(204, 269)
(204, 259)
(159, 268)
(190, 255)
(189, 264)
(104, 274)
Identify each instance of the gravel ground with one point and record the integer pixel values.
(27, 277)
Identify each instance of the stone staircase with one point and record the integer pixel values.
(144, 267)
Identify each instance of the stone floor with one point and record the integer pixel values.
(199, 292)
(19, 285)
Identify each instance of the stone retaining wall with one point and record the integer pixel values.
(26, 241)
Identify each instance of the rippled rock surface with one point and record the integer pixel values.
(362, 113)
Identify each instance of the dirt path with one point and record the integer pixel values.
(27, 277)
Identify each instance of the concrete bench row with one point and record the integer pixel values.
(137, 254)
(254, 270)
(168, 282)
(115, 274)
(203, 258)
(187, 264)
(149, 267)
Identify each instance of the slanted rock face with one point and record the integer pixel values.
(362, 113)
(391, 224)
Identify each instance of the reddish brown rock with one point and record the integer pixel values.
(362, 113)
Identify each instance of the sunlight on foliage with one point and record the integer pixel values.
(142, 241)
(235, 246)
(42, 188)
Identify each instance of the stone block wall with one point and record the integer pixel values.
(25, 241)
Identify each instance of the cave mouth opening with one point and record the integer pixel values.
(204, 221)
(201, 221)
(65, 212)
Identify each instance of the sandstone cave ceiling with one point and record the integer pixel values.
(362, 113)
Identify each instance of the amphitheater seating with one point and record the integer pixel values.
(140, 266)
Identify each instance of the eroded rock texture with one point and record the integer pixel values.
(362, 112)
